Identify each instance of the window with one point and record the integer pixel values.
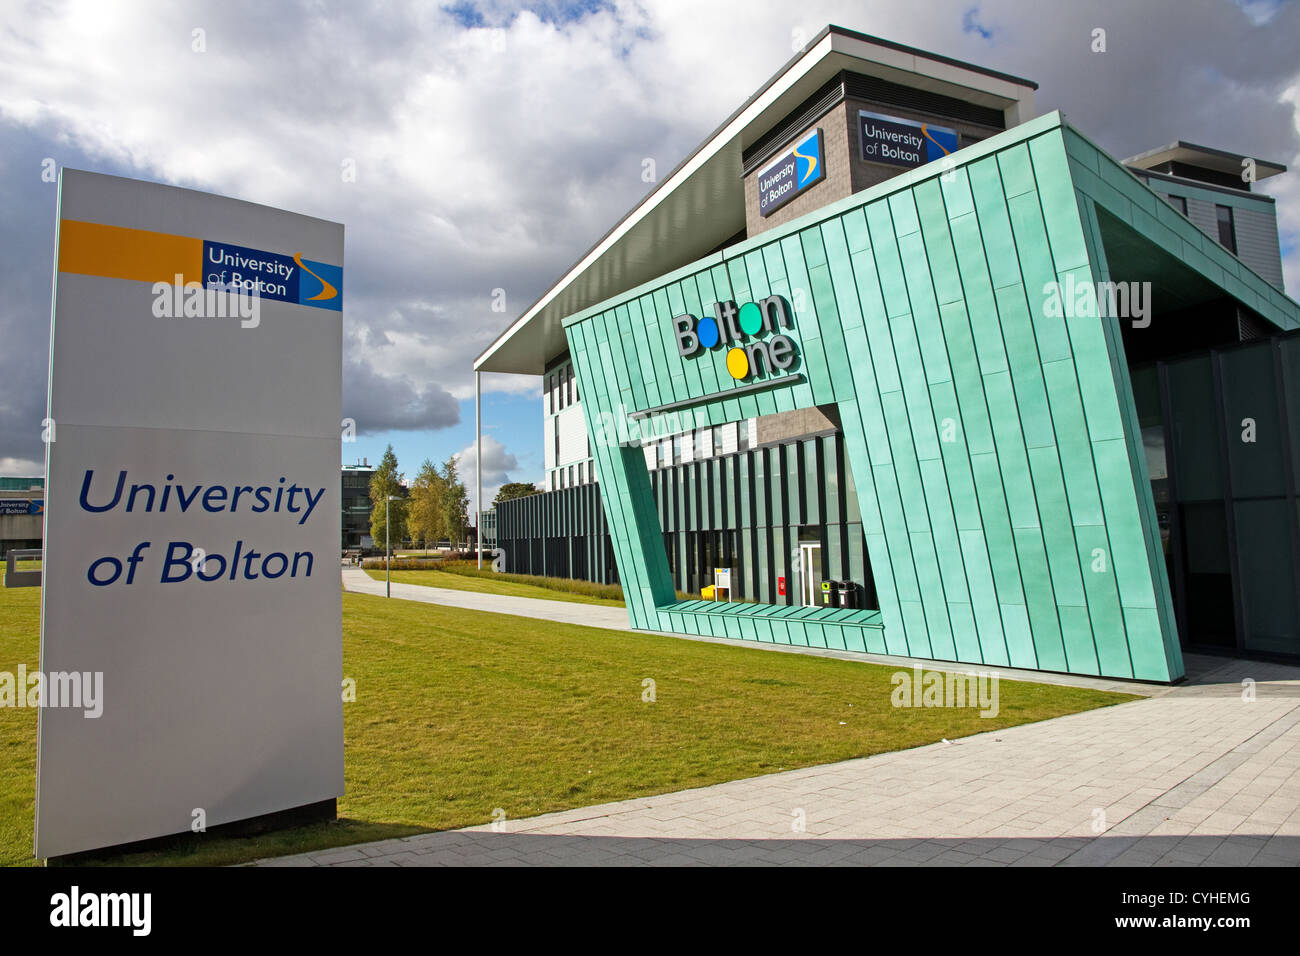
(717, 439)
(665, 452)
(1178, 202)
(742, 436)
(550, 395)
(582, 480)
(575, 388)
(557, 443)
(1227, 228)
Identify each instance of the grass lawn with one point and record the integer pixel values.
(460, 712)
(488, 584)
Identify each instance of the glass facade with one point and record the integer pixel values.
(356, 506)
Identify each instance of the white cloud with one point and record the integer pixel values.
(498, 463)
(21, 467)
(1287, 194)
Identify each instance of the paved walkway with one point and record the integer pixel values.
(1192, 775)
(567, 612)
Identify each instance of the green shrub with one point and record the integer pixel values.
(404, 564)
(609, 592)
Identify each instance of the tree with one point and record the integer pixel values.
(387, 480)
(455, 501)
(515, 489)
(425, 518)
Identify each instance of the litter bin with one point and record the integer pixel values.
(828, 595)
(848, 594)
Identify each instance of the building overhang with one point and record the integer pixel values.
(700, 204)
(1204, 157)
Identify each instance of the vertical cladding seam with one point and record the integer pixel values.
(947, 483)
(859, 394)
(1042, 215)
(997, 455)
(910, 436)
(961, 281)
(899, 368)
(868, 475)
(1015, 392)
(1085, 228)
(1002, 202)
(888, 500)
(932, 506)
(1100, 270)
(596, 383)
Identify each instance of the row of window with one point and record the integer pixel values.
(561, 389)
(688, 446)
(1223, 217)
(572, 476)
(703, 443)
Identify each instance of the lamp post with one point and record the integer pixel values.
(388, 554)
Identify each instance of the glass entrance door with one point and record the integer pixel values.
(810, 573)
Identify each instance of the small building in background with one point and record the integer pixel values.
(356, 505)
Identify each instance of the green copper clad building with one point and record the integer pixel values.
(1050, 420)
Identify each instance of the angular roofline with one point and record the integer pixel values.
(902, 48)
(1028, 130)
(904, 180)
(664, 183)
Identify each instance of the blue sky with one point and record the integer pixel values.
(494, 142)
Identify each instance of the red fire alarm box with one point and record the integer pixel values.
(780, 585)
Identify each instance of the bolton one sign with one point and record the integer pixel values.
(733, 327)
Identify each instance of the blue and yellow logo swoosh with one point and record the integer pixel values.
(117, 252)
(806, 166)
(926, 133)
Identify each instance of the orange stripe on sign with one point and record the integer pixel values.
(115, 252)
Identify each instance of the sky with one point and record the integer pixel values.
(474, 151)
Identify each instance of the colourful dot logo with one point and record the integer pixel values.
(708, 332)
(733, 326)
